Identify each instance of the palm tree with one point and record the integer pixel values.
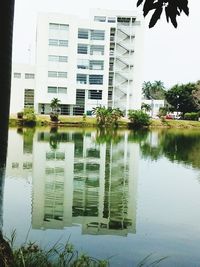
(55, 103)
(146, 107)
(146, 90)
(155, 90)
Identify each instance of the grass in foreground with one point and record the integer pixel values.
(31, 255)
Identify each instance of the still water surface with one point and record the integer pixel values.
(120, 194)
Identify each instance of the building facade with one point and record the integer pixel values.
(88, 63)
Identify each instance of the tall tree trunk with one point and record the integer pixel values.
(6, 33)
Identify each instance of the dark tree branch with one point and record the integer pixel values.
(173, 8)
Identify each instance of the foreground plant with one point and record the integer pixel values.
(32, 255)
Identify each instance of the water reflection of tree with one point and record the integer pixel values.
(138, 136)
(176, 145)
(54, 138)
(106, 135)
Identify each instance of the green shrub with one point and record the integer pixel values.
(138, 118)
(192, 116)
(29, 116)
(107, 117)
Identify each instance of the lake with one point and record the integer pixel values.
(121, 194)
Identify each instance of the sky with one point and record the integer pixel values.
(170, 55)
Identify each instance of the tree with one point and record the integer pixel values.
(138, 118)
(107, 116)
(180, 97)
(155, 90)
(146, 107)
(173, 8)
(55, 103)
(146, 90)
(196, 95)
(6, 33)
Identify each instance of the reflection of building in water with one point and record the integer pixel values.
(19, 153)
(52, 182)
(82, 182)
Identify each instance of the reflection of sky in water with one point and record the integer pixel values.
(167, 196)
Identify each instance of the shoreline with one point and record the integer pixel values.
(80, 121)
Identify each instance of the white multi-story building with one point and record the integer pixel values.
(22, 87)
(88, 63)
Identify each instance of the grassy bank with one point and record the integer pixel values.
(80, 121)
(174, 124)
(77, 121)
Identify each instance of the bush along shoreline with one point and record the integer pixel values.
(104, 118)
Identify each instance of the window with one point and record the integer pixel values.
(109, 95)
(55, 74)
(82, 49)
(96, 50)
(95, 79)
(64, 27)
(83, 64)
(63, 58)
(17, 75)
(79, 110)
(83, 33)
(53, 26)
(53, 42)
(52, 89)
(56, 26)
(100, 18)
(15, 165)
(64, 109)
(55, 90)
(56, 42)
(97, 35)
(96, 64)
(52, 74)
(81, 78)
(95, 94)
(29, 76)
(27, 165)
(52, 156)
(58, 58)
(123, 20)
(53, 58)
(93, 153)
(63, 42)
(110, 80)
(62, 74)
(111, 19)
(62, 90)
(29, 98)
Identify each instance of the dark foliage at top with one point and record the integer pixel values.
(173, 8)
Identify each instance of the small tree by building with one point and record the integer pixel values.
(55, 104)
(145, 107)
(138, 119)
(107, 117)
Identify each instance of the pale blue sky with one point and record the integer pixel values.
(171, 55)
